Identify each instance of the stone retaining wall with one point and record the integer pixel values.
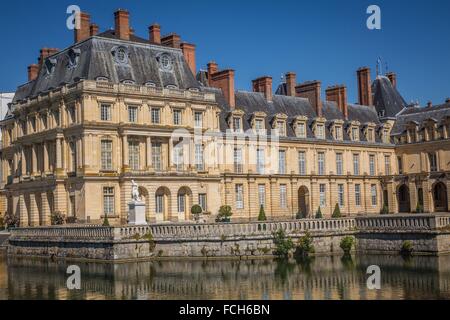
(429, 234)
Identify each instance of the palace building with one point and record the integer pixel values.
(114, 107)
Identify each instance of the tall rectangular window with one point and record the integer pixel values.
(159, 200)
(387, 165)
(178, 157)
(199, 163)
(259, 126)
(321, 163)
(198, 119)
(181, 202)
(400, 165)
(106, 150)
(239, 196)
(372, 164)
(156, 115)
(433, 161)
(282, 161)
(177, 117)
(108, 201)
(156, 156)
(355, 135)
(356, 164)
(237, 124)
(341, 195)
(322, 195)
(301, 130)
(238, 163)
(338, 132)
(320, 131)
(262, 195)
(302, 162)
(283, 196)
(280, 128)
(373, 194)
(260, 161)
(133, 154)
(202, 201)
(358, 195)
(132, 114)
(105, 112)
(339, 164)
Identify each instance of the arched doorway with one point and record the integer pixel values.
(303, 201)
(162, 204)
(184, 202)
(440, 197)
(403, 199)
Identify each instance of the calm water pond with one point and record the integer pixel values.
(320, 278)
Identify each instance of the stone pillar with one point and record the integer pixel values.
(59, 157)
(45, 210)
(412, 195)
(34, 212)
(392, 197)
(22, 211)
(23, 162)
(125, 160)
(447, 183)
(45, 150)
(427, 197)
(170, 154)
(148, 144)
(34, 168)
(60, 198)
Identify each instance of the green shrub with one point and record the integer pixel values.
(10, 220)
(336, 212)
(419, 208)
(105, 221)
(347, 244)
(305, 245)
(407, 248)
(224, 214)
(262, 214)
(319, 214)
(196, 210)
(384, 209)
(300, 215)
(282, 243)
(57, 218)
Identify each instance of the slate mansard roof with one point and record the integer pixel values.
(96, 60)
(387, 100)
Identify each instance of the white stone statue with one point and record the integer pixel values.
(135, 196)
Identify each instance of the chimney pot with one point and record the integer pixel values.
(364, 86)
(311, 91)
(213, 67)
(84, 31)
(122, 24)
(189, 55)
(155, 33)
(93, 29)
(172, 40)
(264, 85)
(393, 78)
(291, 82)
(338, 94)
(33, 71)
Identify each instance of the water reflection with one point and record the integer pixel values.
(314, 278)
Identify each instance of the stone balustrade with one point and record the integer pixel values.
(408, 223)
(81, 232)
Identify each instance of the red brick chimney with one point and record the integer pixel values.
(155, 33)
(393, 78)
(291, 82)
(33, 71)
(122, 24)
(93, 29)
(189, 54)
(364, 87)
(264, 85)
(447, 100)
(172, 40)
(46, 52)
(311, 91)
(83, 33)
(213, 67)
(131, 31)
(224, 80)
(338, 94)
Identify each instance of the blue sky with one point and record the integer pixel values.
(323, 40)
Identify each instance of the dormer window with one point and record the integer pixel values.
(338, 133)
(120, 55)
(128, 82)
(237, 124)
(279, 124)
(301, 130)
(281, 128)
(370, 136)
(102, 79)
(50, 64)
(73, 56)
(355, 133)
(259, 125)
(165, 62)
(320, 131)
(150, 84)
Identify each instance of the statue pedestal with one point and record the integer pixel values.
(136, 213)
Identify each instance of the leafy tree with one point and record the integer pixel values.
(283, 244)
(57, 218)
(262, 214)
(319, 214)
(105, 221)
(407, 248)
(224, 214)
(336, 212)
(347, 244)
(305, 245)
